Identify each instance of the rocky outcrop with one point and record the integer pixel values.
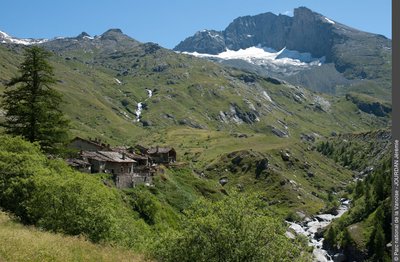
(206, 42)
(370, 105)
(238, 115)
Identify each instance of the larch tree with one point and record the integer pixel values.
(32, 106)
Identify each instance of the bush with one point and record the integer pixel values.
(19, 161)
(49, 194)
(233, 229)
(74, 204)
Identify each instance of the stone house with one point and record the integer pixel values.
(97, 161)
(162, 155)
(127, 172)
(142, 159)
(128, 165)
(118, 163)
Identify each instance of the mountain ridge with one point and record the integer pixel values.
(356, 55)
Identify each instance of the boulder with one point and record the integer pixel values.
(279, 132)
(339, 257)
(285, 156)
(223, 181)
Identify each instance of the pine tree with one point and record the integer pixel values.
(32, 106)
(359, 190)
(376, 245)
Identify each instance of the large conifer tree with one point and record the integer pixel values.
(32, 106)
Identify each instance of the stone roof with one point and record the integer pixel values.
(136, 156)
(128, 152)
(77, 162)
(116, 157)
(94, 155)
(108, 156)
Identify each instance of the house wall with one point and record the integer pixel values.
(85, 169)
(163, 158)
(171, 157)
(97, 166)
(160, 158)
(115, 168)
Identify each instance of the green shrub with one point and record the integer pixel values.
(19, 161)
(234, 229)
(49, 194)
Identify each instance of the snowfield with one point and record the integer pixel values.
(263, 55)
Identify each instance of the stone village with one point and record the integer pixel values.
(129, 166)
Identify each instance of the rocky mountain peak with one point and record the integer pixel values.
(303, 11)
(307, 32)
(113, 31)
(82, 35)
(113, 34)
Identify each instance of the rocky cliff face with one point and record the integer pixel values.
(307, 32)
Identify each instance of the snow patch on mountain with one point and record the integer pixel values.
(5, 38)
(263, 55)
(329, 21)
(88, 37)
(214, 35)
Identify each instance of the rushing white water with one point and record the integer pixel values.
(311, 227)
(139, 108)
(138, 111)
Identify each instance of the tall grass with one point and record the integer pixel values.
(21, 243)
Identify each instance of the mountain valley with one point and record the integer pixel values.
(246, 109)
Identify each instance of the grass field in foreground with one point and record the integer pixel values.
(22, 243)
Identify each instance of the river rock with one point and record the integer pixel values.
(339, 257)
(290, 235)
(300, 214)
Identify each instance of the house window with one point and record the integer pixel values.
(130, 170)
(122, 169)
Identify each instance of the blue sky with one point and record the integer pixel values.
(167, 22)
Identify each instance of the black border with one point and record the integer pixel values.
(395, 129)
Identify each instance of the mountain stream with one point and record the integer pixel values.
(311, 227)
(139, 108)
